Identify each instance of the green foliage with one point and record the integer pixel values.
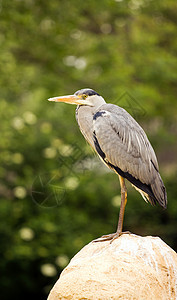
(55, 194)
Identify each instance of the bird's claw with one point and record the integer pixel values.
(110, 237)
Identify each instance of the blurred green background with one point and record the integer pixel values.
(56, 196)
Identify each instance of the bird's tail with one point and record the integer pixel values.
(159, 192)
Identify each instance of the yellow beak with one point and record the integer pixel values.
(71, 99)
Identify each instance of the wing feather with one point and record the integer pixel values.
(124, 143)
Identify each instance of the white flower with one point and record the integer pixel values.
(20, 192)
(26, 233)
(48, 270)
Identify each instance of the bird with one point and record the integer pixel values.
(122, 145)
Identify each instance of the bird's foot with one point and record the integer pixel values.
(111, 237)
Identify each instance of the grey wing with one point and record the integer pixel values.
(126, 148)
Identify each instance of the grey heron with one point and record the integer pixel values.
(121, 144)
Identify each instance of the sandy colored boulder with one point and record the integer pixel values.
(132, 267)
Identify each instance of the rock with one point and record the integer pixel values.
(131, 267)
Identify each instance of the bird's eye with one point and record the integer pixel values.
(84, 96)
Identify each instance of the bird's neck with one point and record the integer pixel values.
(84, 117)
(97, 101)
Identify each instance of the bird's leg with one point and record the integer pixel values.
(112, 236)
(122, 205)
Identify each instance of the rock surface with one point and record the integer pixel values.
(131, 267)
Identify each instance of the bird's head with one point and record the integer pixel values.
(82, 97)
